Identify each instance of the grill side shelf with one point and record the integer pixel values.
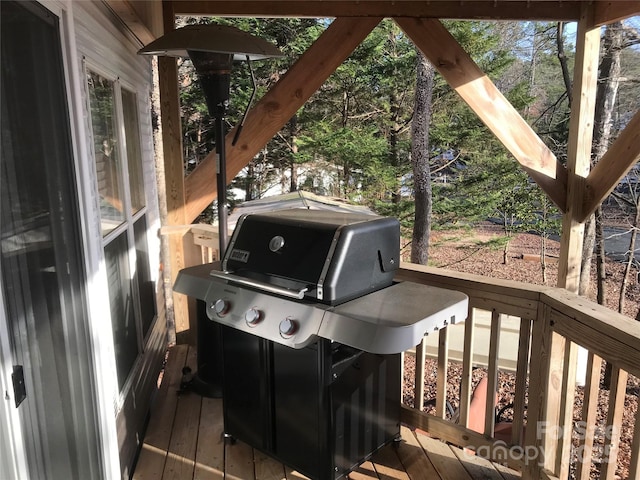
(393, 319)
(195, 281)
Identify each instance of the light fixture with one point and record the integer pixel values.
(212, 48)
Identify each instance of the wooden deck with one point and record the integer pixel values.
(184, 442)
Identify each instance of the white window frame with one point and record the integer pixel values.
(127, 225)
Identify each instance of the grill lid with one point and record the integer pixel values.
(326, 256)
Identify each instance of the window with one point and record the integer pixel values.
(108, 164)
(120, 182)
(136, 183)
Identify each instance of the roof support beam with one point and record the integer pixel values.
(475, 88)
(125, 10)
(566, 10)
(622, 155)
(609, 12)
(277, 106)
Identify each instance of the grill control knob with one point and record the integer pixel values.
(288, 327)
(253, 316)
(220, 307)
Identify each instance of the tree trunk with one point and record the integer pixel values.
(293, 125)
(420, 161)
(543, 258)
(566, 76)
(544, 236)
(601, 256)
(630, 261)
(249, 186)
(608, 79)
(587, 254)
(393, 143)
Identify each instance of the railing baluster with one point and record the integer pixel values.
(565, 417)
(634, 464)
(554, 394)
(441, 379)
(467, 367)
(492, 373)
(589, 417)
(418, 395)
(538, 384)
(522, 372)
(401, 392)
(617, 391)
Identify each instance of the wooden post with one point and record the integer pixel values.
(579, 148)
(571, 244)
(174, 170)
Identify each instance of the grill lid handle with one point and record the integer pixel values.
(265, 287)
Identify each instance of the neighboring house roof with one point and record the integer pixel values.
(299, 199)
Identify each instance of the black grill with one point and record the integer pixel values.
(310, 326)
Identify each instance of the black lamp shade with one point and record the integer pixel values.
(211, 38)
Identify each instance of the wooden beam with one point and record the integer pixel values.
(622, 155)
(579, 148)
(171, 139)
(475, 88)
(470, 10)
(614, 11)
(277, 106)
(174, 172)
(585, 80)
(129, 16)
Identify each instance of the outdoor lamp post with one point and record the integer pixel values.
(212, 49)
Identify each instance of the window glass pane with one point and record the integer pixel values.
(134, 157)
(146, 286)
(108, 165)
(122, 306)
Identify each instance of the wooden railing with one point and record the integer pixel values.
(199, 245)
(533, 334)
(547, 439)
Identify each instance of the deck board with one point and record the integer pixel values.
(415, 462)
(388, 465)
(153, 455)
(182, 447)
(443, 459)
(365, 471)
(184, 441)
(477, 467)
(239, 462)
(267, 468)
(210, 451)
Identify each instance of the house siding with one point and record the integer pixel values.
(100, 40)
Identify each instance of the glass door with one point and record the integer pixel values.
(41, 258)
